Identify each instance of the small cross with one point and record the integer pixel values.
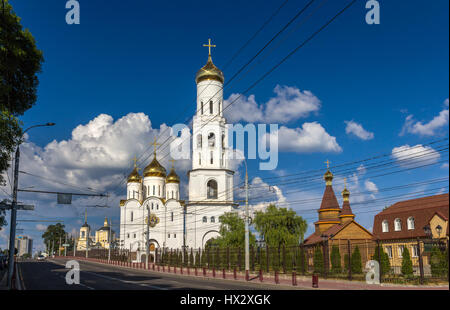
(173, 162)
(154, 145)
(328, 164)
(209, 45)
(135, 160)
(345, 182)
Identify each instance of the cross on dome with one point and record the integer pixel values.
(209, 45)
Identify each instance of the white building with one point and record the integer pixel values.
(24, 245)
(184, 223)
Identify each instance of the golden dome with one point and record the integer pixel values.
(328, 177)
(345, 194)
(134, 176)
(172, 177)
(154, 169)
(209, 72)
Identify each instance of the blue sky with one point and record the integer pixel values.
(142, 56)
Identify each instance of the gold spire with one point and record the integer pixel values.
(328, 176)
(345, 192)
(209, 71)
(105, 223)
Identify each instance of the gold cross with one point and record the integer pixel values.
(345, 182)
(154, 145)
(173, 162)
(135, 160)
(209, 45)
(328, 164)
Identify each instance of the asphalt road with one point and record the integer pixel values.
(50, 275)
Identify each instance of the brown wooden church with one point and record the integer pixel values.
(337, 225)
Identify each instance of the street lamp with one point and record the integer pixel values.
(427, 231)
(439, 230)
(12, 234)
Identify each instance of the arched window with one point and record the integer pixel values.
(219, 106)
(212, 158)
(398, 225)
(199, 158)
(154, 190)
(152, 205)
(171, 216)
(82, 234)
(212, 189)
(205, 219)
(211, 139)
(211, 107)
(172, 194)
(410, 223)
(223, 140)
(199, 141)
(213, 219)
(385, 226)
(201, 103)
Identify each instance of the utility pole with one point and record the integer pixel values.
(75, 245)
(53, 246)
(147, 250)
(12, 234)
(65, 248)
(109, 240)
(247, 258)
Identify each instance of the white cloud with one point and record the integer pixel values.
(357, 130)
(409, 156)
(311, 138)
(426, 129)
(289, 104)
(370, 186)
(41, 227)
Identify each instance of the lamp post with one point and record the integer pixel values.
(12, 234)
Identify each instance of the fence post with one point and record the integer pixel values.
(379, 258)
(267, 258)
(325, 258)
(420, 263)
(228, 258)
(349, 253)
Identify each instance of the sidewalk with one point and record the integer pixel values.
(282, 280)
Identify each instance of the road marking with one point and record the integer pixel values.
(84, 285)
(125, 281)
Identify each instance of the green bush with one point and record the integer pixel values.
(438, 262)
(318, 260)
(335, 260)
(356, 261)
(407, 269)
(385, 265)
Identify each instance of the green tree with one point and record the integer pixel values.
(280, 226)
(53, 235)
(318, 260)
(385, 265)
(335, 260)
(232, 232)
(356, 261)
(407, 268)
(20, 62)
(438, 262)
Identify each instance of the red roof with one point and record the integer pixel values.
(329, 200)
(421, 209)
(346, 209)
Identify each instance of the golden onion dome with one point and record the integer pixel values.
(209, 72)
(172, 177)
(134, 176)
(328, 177)
(345, 194)
(154, 169)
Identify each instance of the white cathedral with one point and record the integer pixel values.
(156, 195)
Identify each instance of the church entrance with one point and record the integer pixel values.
(150, 260)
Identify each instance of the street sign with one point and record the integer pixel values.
(66, 244)
(7, 206)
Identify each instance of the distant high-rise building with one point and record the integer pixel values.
(24, 245)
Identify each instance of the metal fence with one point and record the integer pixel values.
(338, 259)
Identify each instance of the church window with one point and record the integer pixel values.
(223, 140)
(168, 236)
(174, 235)
(211, 139)
(398, 224)
(171, 216)
(205, 219)
(128, 235)
(172, 194)
(410, 223)
(154, 190)
(385, 226)
(82, 234)
(213, 219)
(131, 216)
(400, 250)
(134, 236)
(211, 107)
(157, 206)
(212, 158)
(219, 106)
(199, 141)
(201, 103)
(199, 158)
(212, 189)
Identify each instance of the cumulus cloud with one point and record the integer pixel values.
(289, 104)
(410, 156)
(358, 131)
(370, 186)
(310, 138)
(41, 227)
(431, 128)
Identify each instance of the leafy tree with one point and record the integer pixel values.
(232, 232)
(318, 260)
(280, 226)
(407, 268)
(335, 260)
(53, 235)
(20, 62)
(385, 265)
(356, 261)
(438, 261)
